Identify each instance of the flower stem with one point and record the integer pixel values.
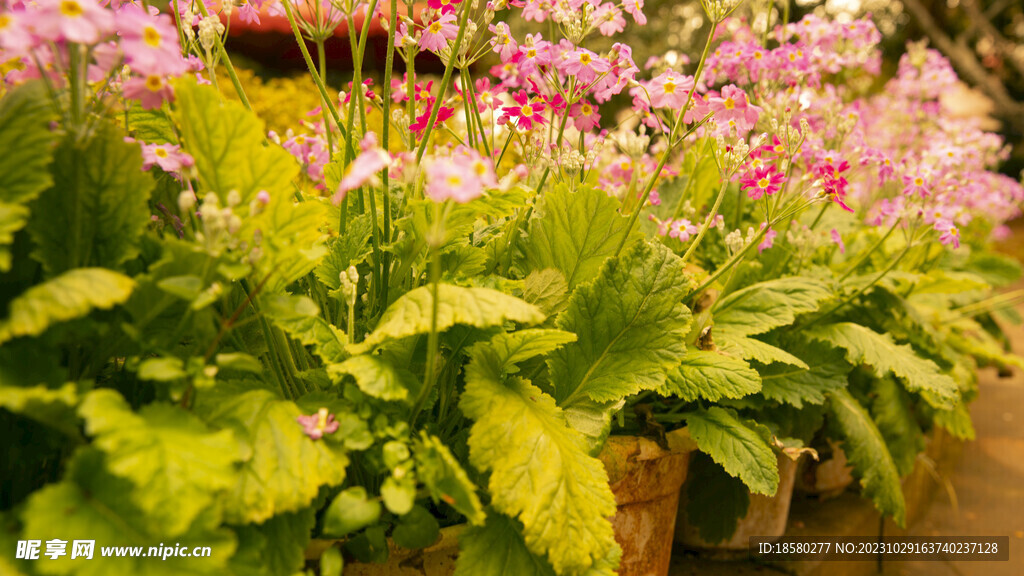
(709, 221)
(442, 90)
(227, 61)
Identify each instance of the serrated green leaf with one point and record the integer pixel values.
(480, 307)
(711, 376)
(346, 250)
(761, 307)
(71, 295)
(497, 549)
(541, 473)
(179, 467)
(445, 479)
(151, 126)
(715, 501)
(13, 217)
(463, 262)
(575, 232)
(737, 447)
(827, 371)
(949, 282)
(754, 349)
(52, 407)
(376, 377)
(286, 537)
(27, 140)
(867, 453)
(503, 351)
(286, 468)
(996, 269)
(97, 207)
(865, 346)
(546, 289)
(957, 421)
(300, 317)
(893, 414)
(630, 326)
(90, 504)
(351, 510)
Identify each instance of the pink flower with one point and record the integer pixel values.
(502, 42)
(437, 34)
(636, 10)
(150, 43)
(249, 14)
(168, 157)
(526, 113)
(732, 110)
(769, 239)
(365, 167)
(15, 38)
(762, 180)
(584, 64)
(609, 19)
(83, 21)
(670, 89)
(152, 91)
(316, 425)
(682, 230)
(950, 233)
(838, 240)
(453, 178)
(584, 116)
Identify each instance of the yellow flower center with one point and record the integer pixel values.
(758, 55)
(585, 58)
(154, 83)
(763, 183)
(918, 182)
(531, 53)
(151, 36)
(5, 21)
(71, 9)
(586, 109)
(300, 140)
(729, 103)
(669, 87)
(454, 181)
(160, 152)
(526, 110)
(435, 27)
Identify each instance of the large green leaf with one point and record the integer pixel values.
(540, 472)
(27, 141)
(480, 307)
(711, 376)
(505, 350)
(754, 349)
(97, 208)
(300, 317)
(179, 467)
(229, 145)
(151, 126)
(865, 346)
(575, 232)
(71, 295)
(376, 377)
(286, 468)
(893, 413)
(444, 477)
(497, 549)
(758, 308)
(50, 406)
(736, 446)
(866, 451)
(630, 326)
(826, 371)
(90, 504)
(344, 251)
(715, 501)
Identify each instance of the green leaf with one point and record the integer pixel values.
(754, 349)
(97, 208)
(505, 350)
(761, 307)
(957, 421)
(867, 453)
(712, 376)
(894, 416)
(575, 232)
(996, 269)
(497, 549)
(376, 377)
(737, 447)
(630, 326)
(286, 468)
(164, 369)
(344, 251)
(541, 473)
(151, 126)
(52, 407)
(300, 317)
(417, 529)
(229, 146)
(826, 371)
(71, 295)
(410, 315)
(179, 468)
(90, 504)
(398, 495)
(13, 217)
(350, 510)
(546, 289)
(286, 537)
(715, 501)
(949, 282)
(445, 479)
(865, 346)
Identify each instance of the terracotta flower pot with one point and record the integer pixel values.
(646, 480)
(766, 516)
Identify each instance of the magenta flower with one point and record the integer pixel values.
(437, 34)
(584, 116)
(838, 240)
(526, 113)
(83, 21)
(421, 121)
(444, 6)
(762, 180)
(316, 425)
(670, 90)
